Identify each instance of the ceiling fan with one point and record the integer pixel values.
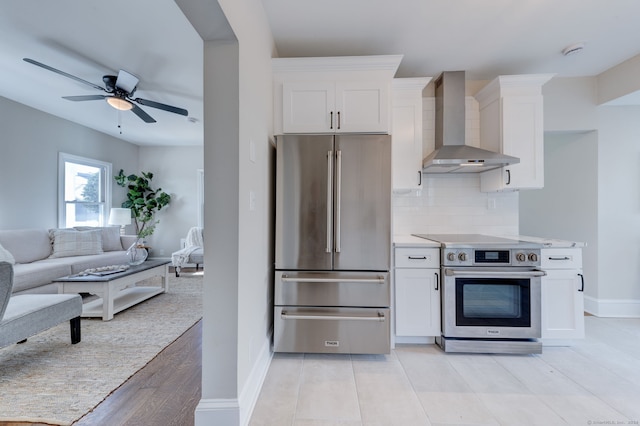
(120, 90)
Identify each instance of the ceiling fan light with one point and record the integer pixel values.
(119, 103)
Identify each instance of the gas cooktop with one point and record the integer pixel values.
(476, 241)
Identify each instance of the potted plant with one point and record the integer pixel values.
(144, 202)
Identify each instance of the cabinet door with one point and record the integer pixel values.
(407, 143)
(417, 302)
(308, 107)
(362, 106)
(562, 304)
(522, 137)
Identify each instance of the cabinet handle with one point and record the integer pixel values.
(338, 120)
(581, 279)
(417, 257)
(331, 120)
(508, 177)
(419, 178)
(559, 258)
(437, 281)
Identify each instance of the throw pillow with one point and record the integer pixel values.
(5, 256)
(69, 242)
(110, 236)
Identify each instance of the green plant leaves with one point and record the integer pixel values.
(142, 200)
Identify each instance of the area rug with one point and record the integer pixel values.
(48, 380)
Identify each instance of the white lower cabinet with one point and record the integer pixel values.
(562, 296)
(417, 294)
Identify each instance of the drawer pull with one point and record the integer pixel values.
(417, 257)
(559, 258)
(286, 316)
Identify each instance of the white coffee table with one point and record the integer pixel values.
(118, 291)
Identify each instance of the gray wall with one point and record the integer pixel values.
(29, 145)
(30, 142)
(567, 206)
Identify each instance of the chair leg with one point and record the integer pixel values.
(197, 266)
(75, 330)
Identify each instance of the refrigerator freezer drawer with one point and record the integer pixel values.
(331, 330)
(356, 289)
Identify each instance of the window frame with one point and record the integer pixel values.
(107, 169)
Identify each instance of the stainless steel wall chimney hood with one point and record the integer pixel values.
(451, 154)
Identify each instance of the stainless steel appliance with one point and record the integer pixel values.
(490, 294)
(333, 244)
(451, 154)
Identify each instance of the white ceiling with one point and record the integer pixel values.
(153, 39)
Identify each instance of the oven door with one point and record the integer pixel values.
(496, 303)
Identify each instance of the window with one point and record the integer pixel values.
(84, 191)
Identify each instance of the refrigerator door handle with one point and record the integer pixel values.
(338, 198)
(329, 247)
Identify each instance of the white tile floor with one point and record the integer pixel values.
(596, 381)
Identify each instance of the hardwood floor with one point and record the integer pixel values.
(165, 392)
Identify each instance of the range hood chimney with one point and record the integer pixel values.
(451, 154)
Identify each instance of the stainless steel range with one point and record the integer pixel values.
(490, 294)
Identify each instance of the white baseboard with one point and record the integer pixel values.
(237, 412)
(222, 412)
(251, 390)
(612, 308)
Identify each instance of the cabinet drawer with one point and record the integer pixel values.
(567, 258)
(417, 257)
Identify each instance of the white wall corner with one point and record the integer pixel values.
(612, 308)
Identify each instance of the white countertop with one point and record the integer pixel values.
(552, 242)
(407, 240)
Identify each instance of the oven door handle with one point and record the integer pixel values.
(479, 273)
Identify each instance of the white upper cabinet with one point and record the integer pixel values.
(333, 95)
(511, 122)
(336, 107)
(406, 131)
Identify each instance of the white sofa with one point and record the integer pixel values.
(42, 255)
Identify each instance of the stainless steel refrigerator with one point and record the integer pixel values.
(333, 244)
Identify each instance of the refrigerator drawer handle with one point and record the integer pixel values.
(494, 274)
(286, 316)
(378, 280)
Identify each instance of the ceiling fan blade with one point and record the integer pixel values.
(143, 115)
(84, 97)
(57, 71)
(165, 107)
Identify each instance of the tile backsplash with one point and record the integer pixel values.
(454, 204)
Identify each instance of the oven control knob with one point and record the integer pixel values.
(520, 257)
(533, 257)
(451, 256)
(462, 256)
